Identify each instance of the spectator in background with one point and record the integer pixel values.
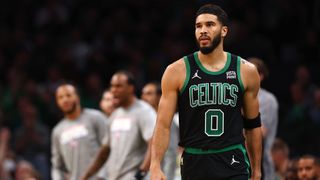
(304, 78)
(32, 138)
(292, 170)
(131, 130)
(4, 145)
(307, 167)
(151, 93)
(297, 127)
(25, 171)
(280, 157)
(268, 108)
(77, 137)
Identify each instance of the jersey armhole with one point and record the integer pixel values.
(239, 73)
(185, 59)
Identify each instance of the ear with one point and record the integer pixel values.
(224, 31)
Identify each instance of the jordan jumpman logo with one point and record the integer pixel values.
(234, 161)
(196, 75)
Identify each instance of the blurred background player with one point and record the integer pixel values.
(268, 108)
(107, 103)
(132, 124)
(151, 93)
(77, 137)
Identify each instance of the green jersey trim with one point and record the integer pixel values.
(185, 58)
(239, 73)
(226, 66)
(212, 151)
(243, 150)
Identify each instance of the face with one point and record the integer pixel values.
(149, 94)
(107, 103)
(209, 32)
(67, 99)
(306, 169)
(120, 89)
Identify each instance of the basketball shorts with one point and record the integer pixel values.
(230, 163)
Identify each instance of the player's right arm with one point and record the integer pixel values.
(172, 81)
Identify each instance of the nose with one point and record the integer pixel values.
(203, 30)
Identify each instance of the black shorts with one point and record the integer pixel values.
(230, 163)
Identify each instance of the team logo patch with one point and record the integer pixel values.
(231, 75)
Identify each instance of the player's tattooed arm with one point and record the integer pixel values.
(243, 61)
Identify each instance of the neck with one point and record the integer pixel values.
(75, 114)
(130, 101)
(214, 57)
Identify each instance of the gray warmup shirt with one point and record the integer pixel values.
(75, 143)
(130, 129)
(269, 119)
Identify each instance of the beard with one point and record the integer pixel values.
(72, 109)
(214, 43)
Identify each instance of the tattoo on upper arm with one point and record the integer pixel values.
(244, 61)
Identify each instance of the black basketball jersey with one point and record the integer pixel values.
(210, 105)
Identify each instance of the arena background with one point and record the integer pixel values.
(45, 42)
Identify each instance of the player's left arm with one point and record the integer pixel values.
(252, 122)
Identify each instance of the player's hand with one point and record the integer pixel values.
(140, 174)
(157, 174)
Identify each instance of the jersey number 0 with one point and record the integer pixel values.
(214, 122)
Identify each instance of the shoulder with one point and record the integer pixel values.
(58, 128)
(143, 106)
(94, 114)
(249, 74)
(175, 74)
(177, 66)
(247, 67)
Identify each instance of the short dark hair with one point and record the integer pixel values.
(310, 156)
(215, 10)
(68, 83)
(129, 75)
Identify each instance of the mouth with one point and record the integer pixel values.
(204, 40)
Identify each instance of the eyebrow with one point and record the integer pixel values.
(206, 22)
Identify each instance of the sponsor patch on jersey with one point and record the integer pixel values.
(121, 124)
(231, 75)
(72, 133)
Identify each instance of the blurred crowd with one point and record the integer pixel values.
(43, 43)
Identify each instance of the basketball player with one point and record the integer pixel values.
(128, 147)
(77, 137)
(216, 93)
